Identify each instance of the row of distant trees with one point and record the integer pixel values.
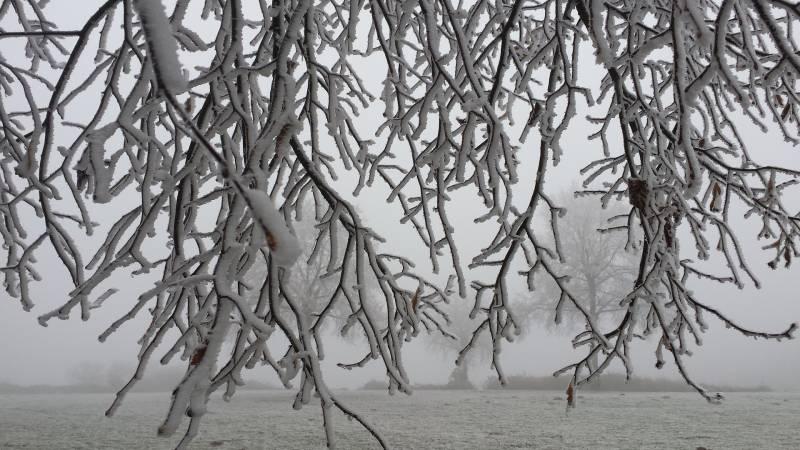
(599, 269)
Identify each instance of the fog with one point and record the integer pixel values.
(31, 354)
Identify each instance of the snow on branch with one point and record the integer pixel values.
(232, 180)
(161, 45)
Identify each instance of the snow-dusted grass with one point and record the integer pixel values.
(426, 420)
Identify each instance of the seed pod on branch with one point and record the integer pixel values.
(716, 198)
(415, 300)
(669, 232)
(570, 396)
(198, 354)
(638, 193)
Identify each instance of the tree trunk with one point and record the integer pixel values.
(593, 312)
(459, 378)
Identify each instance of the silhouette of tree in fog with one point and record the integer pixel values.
(451, 342)
(183, 145)
(599, 265)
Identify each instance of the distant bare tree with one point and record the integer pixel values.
(600, 263)
(452, 340)
(459, 335)
(217, 159)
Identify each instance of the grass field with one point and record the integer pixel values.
(426, 420)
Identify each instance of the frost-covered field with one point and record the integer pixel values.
(426, 420)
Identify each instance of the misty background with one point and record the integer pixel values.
(68, 352)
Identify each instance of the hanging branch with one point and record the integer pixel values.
(211, 124)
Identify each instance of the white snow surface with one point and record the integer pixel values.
(161, 44)
(425, 420)
(282, 244)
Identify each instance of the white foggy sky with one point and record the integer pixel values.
(31, 354)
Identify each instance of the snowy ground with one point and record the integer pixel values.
(426, 420)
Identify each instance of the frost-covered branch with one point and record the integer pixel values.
(208, 125)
